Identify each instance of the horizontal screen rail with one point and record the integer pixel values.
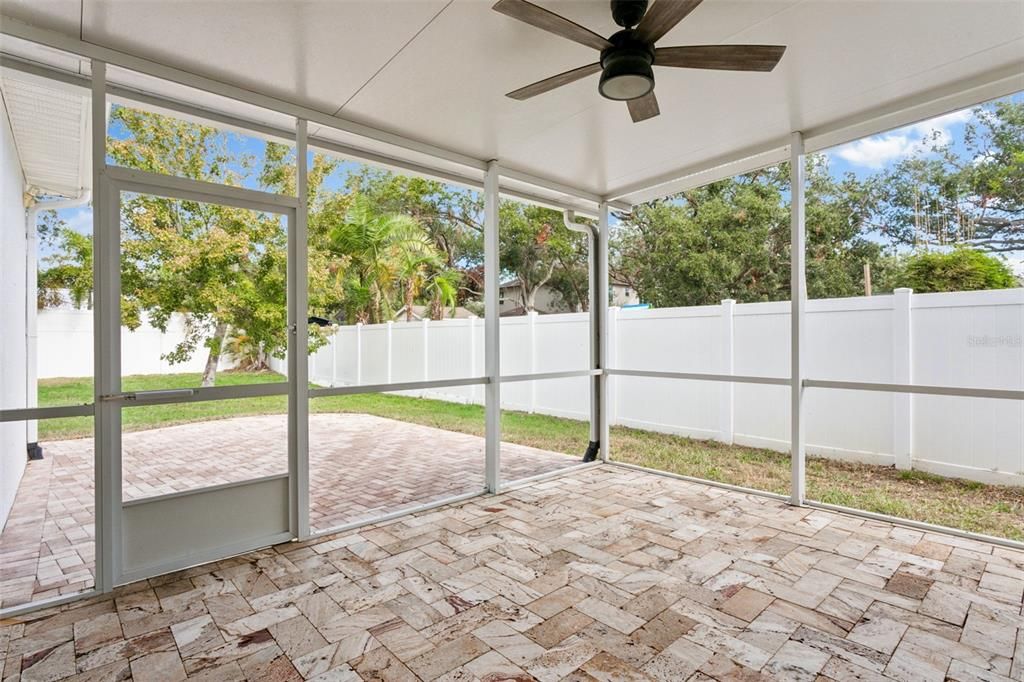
(692, 376)
(955, 391)
(540, 376)
(33, 413)
(174, 187)
(136, 501)
(195, 395)
(389, 388)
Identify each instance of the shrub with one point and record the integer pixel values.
(962, 269)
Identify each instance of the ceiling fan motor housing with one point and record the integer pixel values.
(626, 71)
(628, 13)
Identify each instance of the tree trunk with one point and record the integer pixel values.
(375, 313)
(210, 371)
(408, 299)
(529, 297)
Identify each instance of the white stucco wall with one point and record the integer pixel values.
(12, 314)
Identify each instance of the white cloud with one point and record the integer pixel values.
(78, 219)
(878, 150)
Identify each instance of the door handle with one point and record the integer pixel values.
(151, 395)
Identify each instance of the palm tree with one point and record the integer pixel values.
(366, 240)
(443, 291)
(389, 260)
(416, 259)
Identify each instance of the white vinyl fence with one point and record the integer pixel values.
(970, 339)
(64, 346)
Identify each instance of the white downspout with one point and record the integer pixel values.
(569, 218)
(31, 299)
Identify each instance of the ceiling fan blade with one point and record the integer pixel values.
(662, 18)
(643, 108)
(553, 82)
(726, 57)
(551, 22)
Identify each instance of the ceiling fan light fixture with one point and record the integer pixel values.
(627, 57)
(625, 85)
(626, 72)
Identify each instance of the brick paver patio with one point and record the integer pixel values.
(361, 466)
(601, 574)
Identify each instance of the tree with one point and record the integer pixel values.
(534, 243)
(730, 239)
(571, 278)
(946, 195)
(442, 291)
(387, 261)
(838, 213)
(68, 268)
(452, 217)
(534, 246)
(961, 269)
(223, 268)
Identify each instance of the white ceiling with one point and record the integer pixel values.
(436, 71)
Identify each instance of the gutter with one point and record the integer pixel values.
(31, 303)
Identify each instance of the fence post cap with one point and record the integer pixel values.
(903, 290)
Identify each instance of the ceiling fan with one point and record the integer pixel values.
(627, 56)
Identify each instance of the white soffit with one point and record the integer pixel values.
(436, 72)
(50, 123)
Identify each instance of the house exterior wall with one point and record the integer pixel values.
(548, 300)
(623, 295)
(13, 380)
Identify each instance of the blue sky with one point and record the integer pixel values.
(869, 155)
(862, 157)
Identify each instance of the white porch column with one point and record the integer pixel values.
(610, 397)
(106, 345)
(359, 353)
(726, 407)
(298, 345)
(334, 356)
(389, 346)
(492, 332)
(531, 327)
(472, 358)
(903, 373)
(425, 332)
(798, 303)
(600, 306)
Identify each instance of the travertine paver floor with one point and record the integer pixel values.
(601, 574)
(361, 466)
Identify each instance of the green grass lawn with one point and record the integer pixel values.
(995, 510)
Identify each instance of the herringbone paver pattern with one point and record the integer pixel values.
(600, 574)
(361, 467)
